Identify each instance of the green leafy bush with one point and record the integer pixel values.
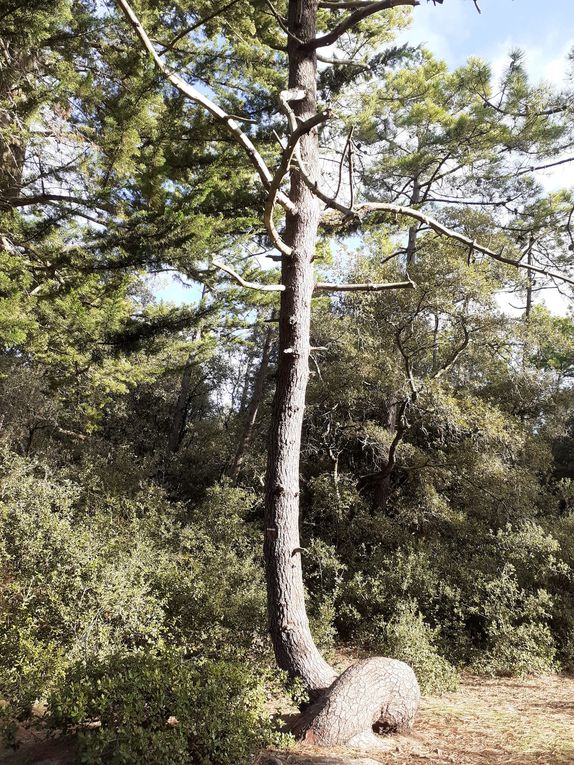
(87, 575)
(516, 638)
(407, 637)
(161, 709)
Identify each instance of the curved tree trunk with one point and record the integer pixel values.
(294, 647)
(378, 689)
(375, 695)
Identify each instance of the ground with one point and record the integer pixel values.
(502, 721)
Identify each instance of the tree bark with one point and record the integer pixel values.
(370, 691)
(375, 695)
(179, 417)
(294, 647)
(383, 477)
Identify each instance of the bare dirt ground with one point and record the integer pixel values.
(502, 721)
(486, 722)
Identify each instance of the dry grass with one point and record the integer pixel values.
(486, 722)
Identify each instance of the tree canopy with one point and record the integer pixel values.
(365, 239)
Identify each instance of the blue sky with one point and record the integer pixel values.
(454, 31)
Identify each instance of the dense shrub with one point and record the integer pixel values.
(497, 602)
(158, 709)
(88, 575)
(407, 637)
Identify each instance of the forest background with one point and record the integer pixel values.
(436, 473)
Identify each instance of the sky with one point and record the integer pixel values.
(454, 31)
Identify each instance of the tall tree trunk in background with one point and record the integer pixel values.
(530, 278)
(383, 477)
(295, 649)
(181, 408)
(413, 230)
(179, 417)
(254, 404)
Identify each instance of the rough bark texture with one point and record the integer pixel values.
(383, 477)
(378, 691)
(177, 426)
(375, 695)
(294, 647)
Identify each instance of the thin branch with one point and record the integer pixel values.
(448, 364)
(48, 198)
(368, 287)
(281, 21)
(371, 207)
(402, 428)
(351, 173)
(341, 163)
(199, 98)
(408, 368)
(344, 4)
(353, 19)
(535, 168)
(282, 170)
(319, 287)
(249, 285)
(193, 27)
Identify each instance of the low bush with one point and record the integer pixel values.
(159, 709)
(407, 637)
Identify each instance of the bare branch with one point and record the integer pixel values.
(407, 362)
(343, 155)
(49, 198)
(536, 168)
(448, 364)
(195, 26)
(353, 19)
(344, 4)
(282, 170)
(281, 21)
(366, 208)
(199, 98)
(367, 287)
(249, 285)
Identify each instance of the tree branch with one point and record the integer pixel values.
(363, 12)
(448, 364)
(371, 207)
(249, 285)
(368, 287)
(48, 198)
(199, 98)
(282, 170)
(195, 26)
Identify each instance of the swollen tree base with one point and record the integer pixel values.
(376, 695)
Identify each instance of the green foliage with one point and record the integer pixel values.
(88, 574)
(436, 474)
(163, 709)
(408, 638)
